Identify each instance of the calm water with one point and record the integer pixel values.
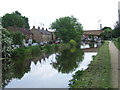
(47, 71)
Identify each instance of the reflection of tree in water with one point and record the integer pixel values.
(14, 69)
(68, 60)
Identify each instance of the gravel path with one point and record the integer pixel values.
(114, 62)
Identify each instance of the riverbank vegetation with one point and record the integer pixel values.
(9, 40)
(32, 50)
(98, 74)
(117, 42)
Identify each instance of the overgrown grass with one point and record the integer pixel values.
(117, 42)
(98, 75)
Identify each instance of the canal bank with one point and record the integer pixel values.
(51, 69)
(98, 74)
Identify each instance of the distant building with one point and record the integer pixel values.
(41, 35)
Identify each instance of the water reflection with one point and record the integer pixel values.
(90, 44)
(14, 69)
(17, 67)
(68, 60)
(45, 70)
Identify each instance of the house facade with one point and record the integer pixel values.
(41, 35)
(37, 34)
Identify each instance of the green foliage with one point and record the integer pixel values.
(117, 42)
(35, 50)
(76, 77)
(15, 19)
(23, 51)
(73, 43)
(116, 31)
(98, 74)
(67, 28)
(34, 41)
(17, 38)
(68, 60)
(107, 34)
(7, 42)
(18, 52)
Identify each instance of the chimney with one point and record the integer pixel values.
(33, 27)
(38, 27)
(42, 28)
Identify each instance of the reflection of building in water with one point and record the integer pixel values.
(90, 47)
(41, 58)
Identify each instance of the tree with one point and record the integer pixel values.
(107, 34)
(15, 19)
(17, 38)
(6, 40)
(116, 31)
(67, 28)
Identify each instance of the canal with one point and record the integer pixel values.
(53, 70)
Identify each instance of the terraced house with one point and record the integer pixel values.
(41, 35)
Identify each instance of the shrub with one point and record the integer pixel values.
(18, 52)
(73, 43)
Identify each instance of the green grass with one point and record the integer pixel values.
(117, 42)
(98, 75)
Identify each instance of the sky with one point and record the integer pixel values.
(90, 13)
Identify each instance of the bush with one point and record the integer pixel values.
(18, 52)
(7, 42)
(35, 50)
(73, 43)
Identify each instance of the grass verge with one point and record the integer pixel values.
(117, 42)
(98, 75)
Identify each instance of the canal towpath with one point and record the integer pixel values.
(114, 53)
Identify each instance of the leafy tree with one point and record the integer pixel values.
(107, 34)
(26, 22)
(17, 38)
(15, 19)
(6, 40)
(67, 28)
(116, 31)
